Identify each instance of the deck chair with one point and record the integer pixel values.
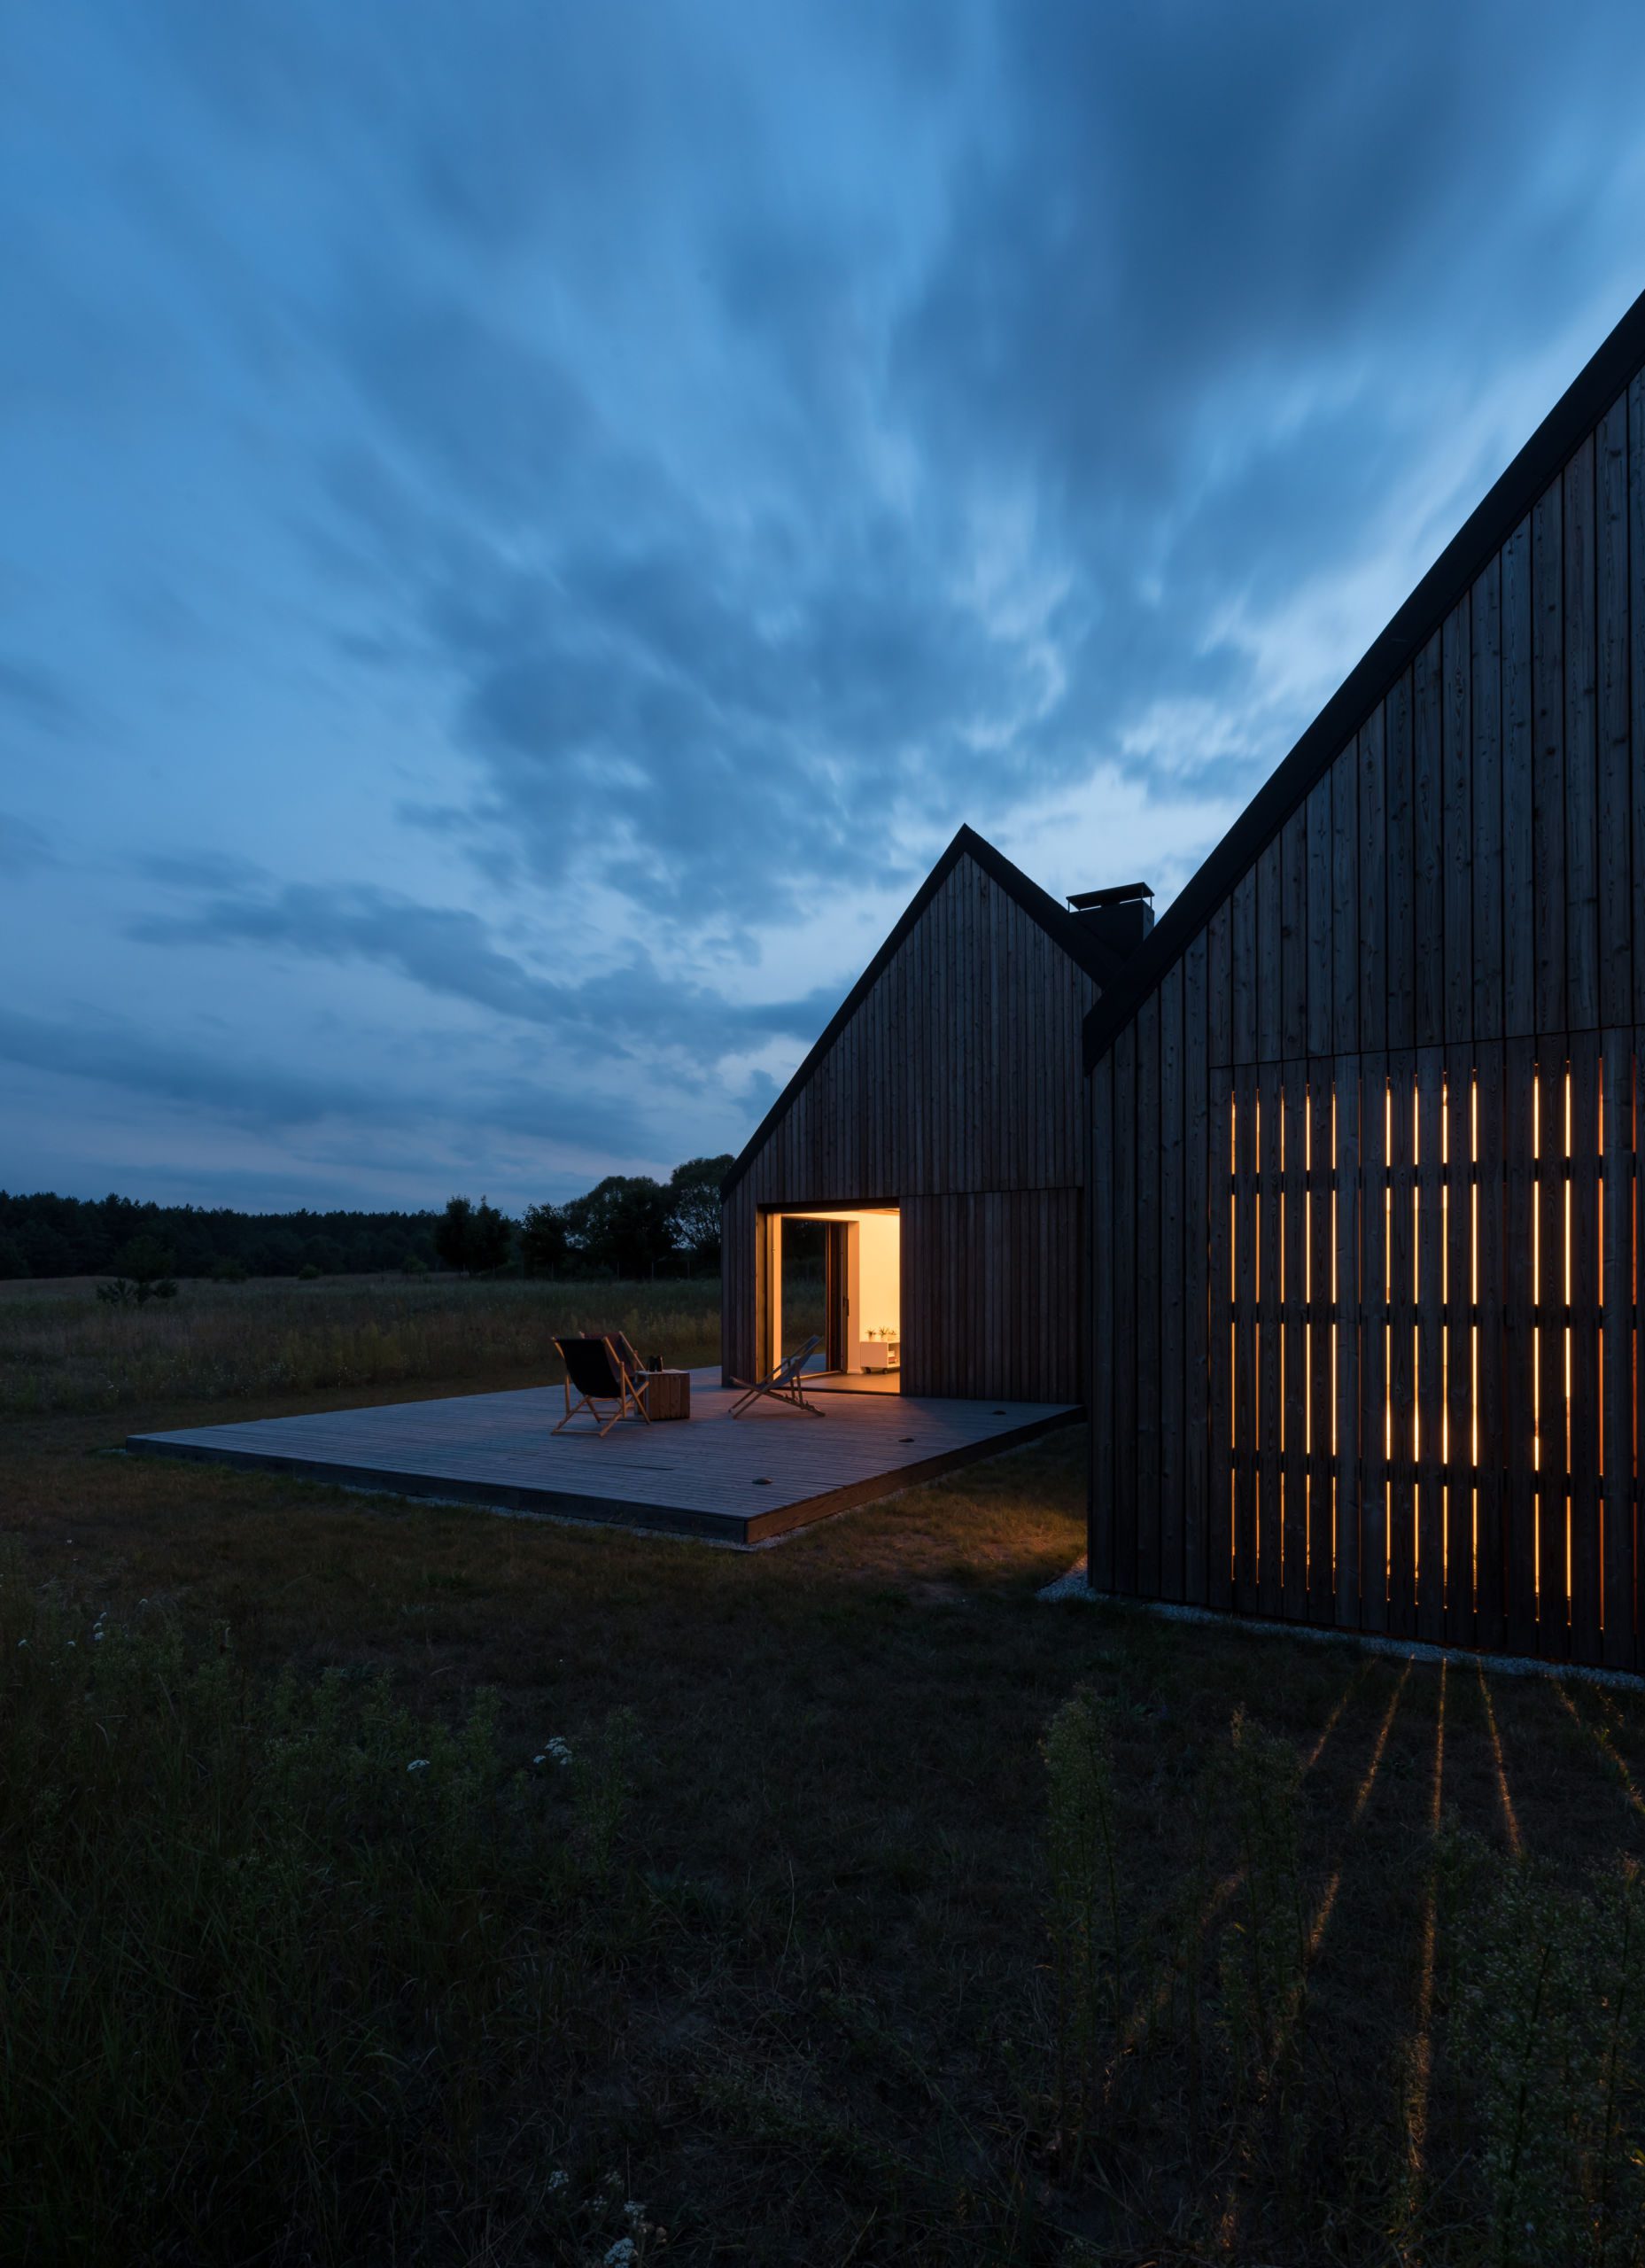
(634, 1362)
(784, 1385)
(600, 1377)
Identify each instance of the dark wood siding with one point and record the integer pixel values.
(954, 1091)
(1385, 1227)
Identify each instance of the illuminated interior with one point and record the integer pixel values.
(858, 1290)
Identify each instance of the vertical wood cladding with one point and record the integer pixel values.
(1379, 1162)
(954, 1091)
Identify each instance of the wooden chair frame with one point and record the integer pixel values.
(628, 1398)
(783, 1384)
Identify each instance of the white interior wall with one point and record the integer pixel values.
(873, 1282)
(877, 1304)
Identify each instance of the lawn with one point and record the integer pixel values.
(840, 1902)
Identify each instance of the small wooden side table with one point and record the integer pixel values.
(668, 1395)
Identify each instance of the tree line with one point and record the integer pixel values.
(629, 1224)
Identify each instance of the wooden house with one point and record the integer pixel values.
(935, 1138)
(1367, 1110)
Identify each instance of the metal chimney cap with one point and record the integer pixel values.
(1121, 894)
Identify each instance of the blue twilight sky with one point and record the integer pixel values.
(524, 528)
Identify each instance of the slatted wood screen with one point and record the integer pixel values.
(1363, 1193)
(1425, 1374)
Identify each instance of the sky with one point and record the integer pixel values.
(524, 528)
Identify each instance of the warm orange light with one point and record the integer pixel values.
(1515, 1842)
(1536, 1330)
(1322, 1912)
(1422, 2048)
(1445, 1333)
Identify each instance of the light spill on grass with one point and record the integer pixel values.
(1421, 2051)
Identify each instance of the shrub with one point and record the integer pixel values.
(141, 1272)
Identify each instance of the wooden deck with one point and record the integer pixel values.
(738, 1483)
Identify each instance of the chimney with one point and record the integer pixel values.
(1121, 917)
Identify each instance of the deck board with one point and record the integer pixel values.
(741, 1483)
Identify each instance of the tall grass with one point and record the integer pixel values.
(220, 1342)
(1207, 2120)
(290, 1974)
(1550, 2001)
(1087, 1933)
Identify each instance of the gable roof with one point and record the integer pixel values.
(1463, 559)
(1099, 962)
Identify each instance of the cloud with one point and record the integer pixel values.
(37, 696)
(1156, 328)
(120, 1054)
(450, 953)
(25, 849)
(268, 1096)
(620, 502)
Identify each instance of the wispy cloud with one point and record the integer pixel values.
(521, 528)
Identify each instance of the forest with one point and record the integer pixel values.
(628, 1225)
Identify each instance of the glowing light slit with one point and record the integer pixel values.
(1566, 1465)
(1233, 1324)
(1307, 1329)
(1387, 1329)
(1416, 1246)
(1445, 1329)
(1536, 1327)
(1335, 1298)
(1473, 1334)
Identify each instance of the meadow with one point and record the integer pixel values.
(387, 1882)
(61, 1349)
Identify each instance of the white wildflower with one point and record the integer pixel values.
(558, 2179)
(634, 2212)
(418, 1763)
(557, 1750)
(622, 2253)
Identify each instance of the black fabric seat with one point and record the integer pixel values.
(602, 1379)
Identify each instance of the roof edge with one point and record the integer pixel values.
(1487, 527)
(1064, 928)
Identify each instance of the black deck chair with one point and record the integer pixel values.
(600, 1374)
(784, 1385)
(634, 1362)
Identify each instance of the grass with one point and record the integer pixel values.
(65, 1350)
(882, 1913)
